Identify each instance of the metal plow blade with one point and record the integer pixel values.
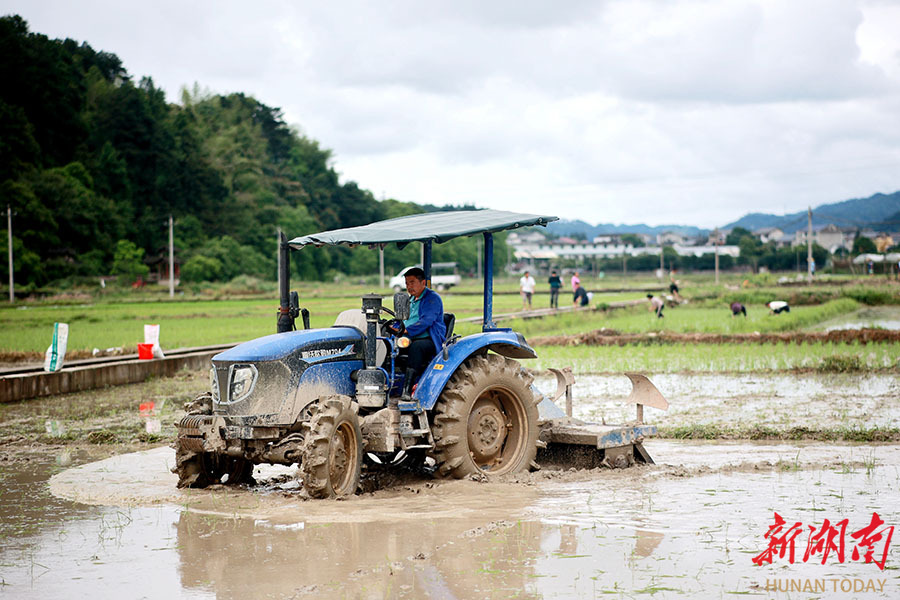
(570, 442)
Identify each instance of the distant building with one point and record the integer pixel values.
(518, 238)
(716, 238)
(768, 234)
(831, 237)
(569, 241)
(159, 266)
(883, 241)
(669, 238)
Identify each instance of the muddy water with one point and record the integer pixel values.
(688, 526)
(885, 317)
(791, 400)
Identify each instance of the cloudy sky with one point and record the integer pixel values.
(635, 111)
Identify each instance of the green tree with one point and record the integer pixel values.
(128, 262)
(734, 236)
(863, 245)
(201, 268)
(632, 239)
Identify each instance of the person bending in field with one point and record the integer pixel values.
(581, 297)
(656, 305)
(738, 308)
(778, 307)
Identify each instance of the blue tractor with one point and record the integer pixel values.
(327, 398)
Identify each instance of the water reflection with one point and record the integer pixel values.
(241, 558)
(632, 532)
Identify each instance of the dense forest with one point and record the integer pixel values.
(92, 165)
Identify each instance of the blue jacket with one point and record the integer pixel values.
(431, 319)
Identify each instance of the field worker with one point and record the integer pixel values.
(526, 288)
(581, 297)
(656, 305)
(738, 308)
(673, 288)
(424, 327)
(778, 306)
(576, 281)
(555, 284)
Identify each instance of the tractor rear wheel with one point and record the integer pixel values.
(486, 419)
(332, 449)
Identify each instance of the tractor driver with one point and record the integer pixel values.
(425, 327)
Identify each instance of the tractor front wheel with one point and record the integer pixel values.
(486, 419)
(332, 449)
(196, 468)
(202, 469)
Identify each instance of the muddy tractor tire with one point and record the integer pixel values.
(332, 449)
(202, 469)
(486, 419)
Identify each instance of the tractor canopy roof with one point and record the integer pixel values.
(436, 227)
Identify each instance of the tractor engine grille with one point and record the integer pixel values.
(189, 434)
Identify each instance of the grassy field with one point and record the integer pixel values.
(221, 315)
(825, 357)
(28, 328)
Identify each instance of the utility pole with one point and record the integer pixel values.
(12, 295)
(716, 243)
(662, 264)
(171, 258)
(809, 242)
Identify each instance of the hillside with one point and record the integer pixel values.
(578, 228)
(93, 163)
(878, 211)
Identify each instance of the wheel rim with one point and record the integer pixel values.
(496, 430)
(342, 456)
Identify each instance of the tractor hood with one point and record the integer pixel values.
(279, 346)
(263, 377)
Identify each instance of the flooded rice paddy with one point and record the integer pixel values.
(809, 400)
(688, 526)
(883, 317)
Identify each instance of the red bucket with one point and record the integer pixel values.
(145, 351)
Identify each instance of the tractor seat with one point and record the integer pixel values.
(449, 322)
(354, 317)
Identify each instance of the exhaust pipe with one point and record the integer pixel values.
(286, 312)
(371, 382)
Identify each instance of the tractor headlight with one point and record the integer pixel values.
(243, 377)
(403, 342)
(214, 384)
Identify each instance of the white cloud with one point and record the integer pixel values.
(691, 111)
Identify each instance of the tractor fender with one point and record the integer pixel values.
(439, 371)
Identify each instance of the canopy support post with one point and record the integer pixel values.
(488, 282)
(426, 261)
